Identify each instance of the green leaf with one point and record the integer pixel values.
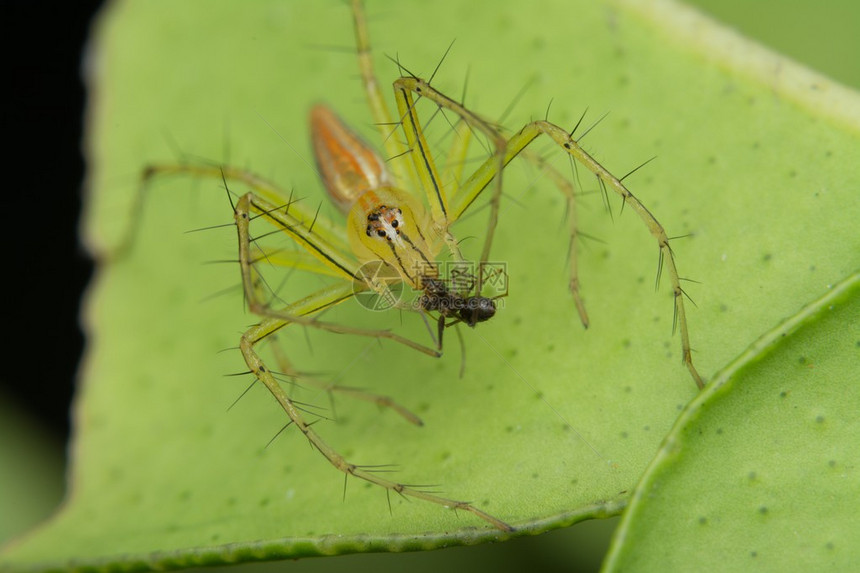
(760, 470)
(551, 424)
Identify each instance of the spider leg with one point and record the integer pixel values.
(491, 171)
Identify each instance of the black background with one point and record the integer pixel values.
(45, 269)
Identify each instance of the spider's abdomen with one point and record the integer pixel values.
(347, 165)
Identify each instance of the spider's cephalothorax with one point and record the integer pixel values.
(389, 225)
(384, 221)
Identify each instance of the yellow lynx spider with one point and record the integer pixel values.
(387, 224)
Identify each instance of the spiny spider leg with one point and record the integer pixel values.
(506, 150)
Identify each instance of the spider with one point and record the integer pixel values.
(400, 236)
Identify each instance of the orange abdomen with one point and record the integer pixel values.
(347, 165)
